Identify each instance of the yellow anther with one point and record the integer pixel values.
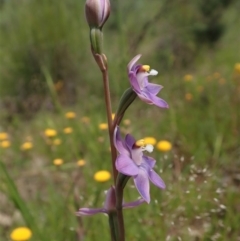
(146, 68)
(140, 143)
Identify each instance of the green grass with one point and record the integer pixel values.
(201, 172)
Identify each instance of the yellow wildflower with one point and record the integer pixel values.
(237, 68)
(3, 136)
(216, 75)
(21, 234)
(102, 176)
(68, 130)
(81, 163)
(188, 96)
(59, 85)
(70, 115)
(222, 81)
(5, 144)
(56, 142)
(103, 126)
(200, 88)
(26, 146)
(58, 162)
(50, 132)
(113, 116)
(150, 140)
(164, 146)
(126, 122)
(188, 78)
(85, 119)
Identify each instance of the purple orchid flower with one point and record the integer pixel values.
(132, 162)
(109, 205)
(138, 76)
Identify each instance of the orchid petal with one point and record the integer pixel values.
(142, 184)
(125, 165)
(155, 179)
(158, 101)
(133, 204)
(149, 161)
(133, 61)
(129, 140)
(118, 142)
(90, 211)
(134, 82)
(153, 88)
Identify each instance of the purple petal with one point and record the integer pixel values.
(153, 88)
(125, 165)
(133, 61)
(149, 161)
(134, 82)
(142, 184)
(118, 142)
(155, 179)
(158, 101)
(134, 204)
(90, 211)
(129, 140)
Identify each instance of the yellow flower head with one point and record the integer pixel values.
(50, 132)
(26, 146)
(150, 140)
(85, 119)
(56, 142)
(70, 115)
(216, 75)
(188, 78)
(103, 126)
(164, 146)
(21, 234)
(102, 176)
(188, 96)
(81, 163)
(126, 122)
(58, 162)
(200, 88)
(5, 144)
(237, 68)
(3, 136)
(68, 130)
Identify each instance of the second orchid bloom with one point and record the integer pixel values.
(132, 162)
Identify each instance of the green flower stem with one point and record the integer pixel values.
(109, 118)
(113, 224)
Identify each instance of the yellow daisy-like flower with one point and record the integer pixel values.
(188, 96)
(3, 136)
(70, 115)
(237, 68)
(85, 119)
(222, 81)
(56, 142)
(200, 88)
(21, 234)
(103, 126)
(5, 144)
(50, 132)
(113, 116)
(81, 163)
(26, 146)
(216, 75)
(58, 162)
(126, 122)
(150, 140)
(188, 78)
(164, 146)
(68, 130)
(102, 176)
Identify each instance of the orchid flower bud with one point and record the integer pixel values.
(97, 12)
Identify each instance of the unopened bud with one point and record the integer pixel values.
(97, 12)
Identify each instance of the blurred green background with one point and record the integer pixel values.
(47, 70)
